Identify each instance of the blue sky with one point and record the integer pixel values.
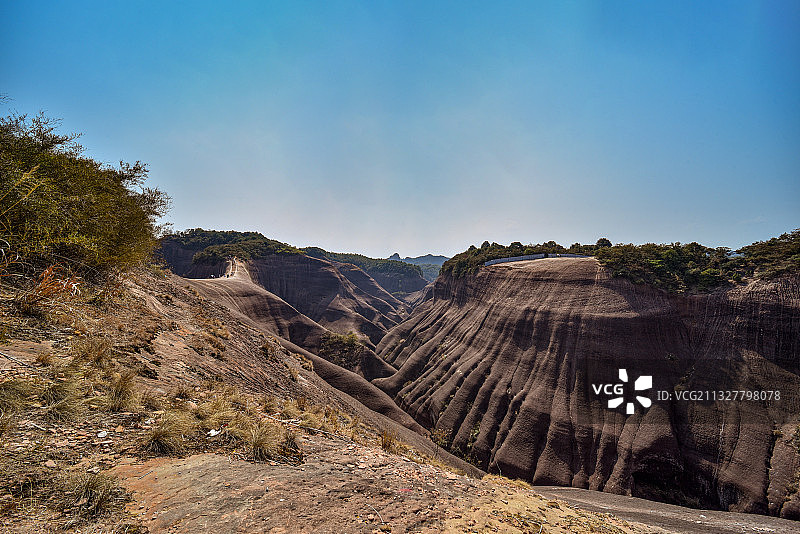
(420, 127)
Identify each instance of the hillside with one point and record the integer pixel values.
(340, 297)
(397, 277)
(499, 364)
(429, 263)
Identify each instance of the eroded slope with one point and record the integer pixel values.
(499, 366)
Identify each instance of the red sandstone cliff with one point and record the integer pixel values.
(499, 364)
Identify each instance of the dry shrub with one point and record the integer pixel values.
(95, 350)
(14, 395)
(61, 400)
(305, 363)
(264, 441)
(270, 403)
(388, 440)
(89, 494)
(122, 393)
(45, 358)
(168, 436)
(52, 284)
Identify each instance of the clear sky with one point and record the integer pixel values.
(415, 127)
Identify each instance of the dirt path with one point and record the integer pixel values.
(667, 516)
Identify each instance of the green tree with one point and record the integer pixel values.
(58, 206)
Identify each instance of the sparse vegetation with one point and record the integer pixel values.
(168, 435)
(264, 441)
(88, 495)
(369, 265)
(388, 440)
(305, 363)
(122, 393)
(61, 400)
(345, 350)
(93, 349)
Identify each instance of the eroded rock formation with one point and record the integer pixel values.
(500, 365)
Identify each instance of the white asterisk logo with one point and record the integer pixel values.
(642, 383)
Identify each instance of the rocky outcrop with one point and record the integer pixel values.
(179, 260)
(338, 296)
(501, 367)
(399, 282)
(268, 312)
(320, 291)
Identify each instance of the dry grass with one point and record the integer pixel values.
(213, 341)
(7, 422)
(270, 403)
(150, 400)
(354, 428)
(61, 400)
(290, 447)
(332, 418)
(122, 393)
(89, 495)
(264, 441)
(23, 475)
(388, 440)
(45, 359)
(216, 328)
(182, 391)
(291, 410)
(169, 434)
(314, 418)
(215, 414)
(14, 395)
(95, 350)
(498, 479)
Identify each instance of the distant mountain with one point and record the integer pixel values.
(429, 264)
(427, 259)
(397, 277)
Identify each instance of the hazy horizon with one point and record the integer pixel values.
(414, 128)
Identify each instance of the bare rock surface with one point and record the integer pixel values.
(342, 488)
